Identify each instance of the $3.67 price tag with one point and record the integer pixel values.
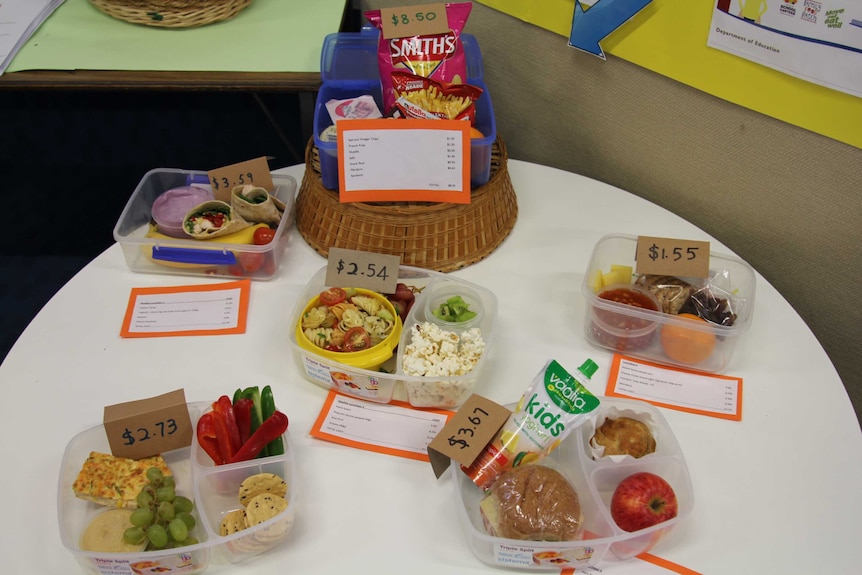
(672, 257)
(358, 269)
(466, 433)
(148, 427)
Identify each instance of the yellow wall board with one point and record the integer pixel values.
(669, 37)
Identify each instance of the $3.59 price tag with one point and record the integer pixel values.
(422, 20)
(358, 269)
(466, 433)
(672, 257)
(252, 172)
(147, 427)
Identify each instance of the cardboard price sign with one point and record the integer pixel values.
(251, 172)
(358, 269)
(422, 20)
(672, 257)
(147, 427)
(467, 433)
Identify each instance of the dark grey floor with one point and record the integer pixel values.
(70, 160)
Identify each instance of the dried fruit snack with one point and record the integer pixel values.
(437, 56)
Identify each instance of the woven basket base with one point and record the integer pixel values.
(440, 236)
(171, 13)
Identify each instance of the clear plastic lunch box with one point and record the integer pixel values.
(389, 382)
(594, 480)
(214, 490)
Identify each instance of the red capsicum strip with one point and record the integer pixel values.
(273, 427)
(242, 411)
(208, 438)
(224, 408)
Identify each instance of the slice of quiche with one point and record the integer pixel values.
(115, 481)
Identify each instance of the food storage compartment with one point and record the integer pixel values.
(349, 69)
(148, 250)
(594, 480)
(693, 323)
(225, 492)
(75, 514)
(388, 381)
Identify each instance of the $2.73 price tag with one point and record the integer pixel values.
(358, 269)
(467, 433)
(147, 427)
(672, 257)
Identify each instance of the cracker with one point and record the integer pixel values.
(261, 483)
(262, 507)
(233, 522)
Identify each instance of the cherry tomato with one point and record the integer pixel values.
(251, 262)
(356, 339)
(263, 236)
(332, 296)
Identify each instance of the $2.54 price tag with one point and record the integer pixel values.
(358, 269)
(466, 433)
(406, 21)
(147, 427)
(672, 257)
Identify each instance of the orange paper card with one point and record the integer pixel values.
(386, 160)
(393, 428)
(674, 388)
(209, 309)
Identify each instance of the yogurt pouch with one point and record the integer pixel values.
(555, 403)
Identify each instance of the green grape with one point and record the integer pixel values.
(189, 541)
(166, 511)
(134, 535)
(141, 517)
(157, 535)
(144, 499)
(178, 530)
(154, 475)
(169, 481)
(165, 493)
(183, 504)
(188, 519)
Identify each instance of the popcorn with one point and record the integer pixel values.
(439, 353)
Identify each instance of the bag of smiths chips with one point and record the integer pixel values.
(438, 56)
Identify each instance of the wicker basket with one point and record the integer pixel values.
(439, 236)
(171, 13)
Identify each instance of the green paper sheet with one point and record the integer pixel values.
(266, 36)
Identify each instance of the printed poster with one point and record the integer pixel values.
(816, 40)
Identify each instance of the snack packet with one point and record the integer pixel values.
(437, 56)
(554, 404)
(426, 98)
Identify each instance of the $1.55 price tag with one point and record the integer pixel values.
(466, 433)
(147, 427)
(406, 21)
(358, 269)
(251, 172)
(672, 257)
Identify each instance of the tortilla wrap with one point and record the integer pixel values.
(202, 229)
(256, 205)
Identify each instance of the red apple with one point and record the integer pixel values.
(642, 500)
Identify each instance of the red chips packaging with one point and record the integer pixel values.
(425, 98)
(438, 56)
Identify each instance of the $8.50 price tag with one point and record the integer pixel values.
(422, 20)
(252, 172)
(672, 257)
(466, 433)
(147, 427)
(358, 269)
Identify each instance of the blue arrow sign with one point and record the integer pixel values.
(605, 16)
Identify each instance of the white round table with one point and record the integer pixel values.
(777, 492)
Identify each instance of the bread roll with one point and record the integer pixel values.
(532, 502)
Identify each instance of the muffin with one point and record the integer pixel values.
(624, 436)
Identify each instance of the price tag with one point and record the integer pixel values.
(422, 20)
(255, 172)
(358, 269)
(672, 257)
(147, 427)
(467, 433)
